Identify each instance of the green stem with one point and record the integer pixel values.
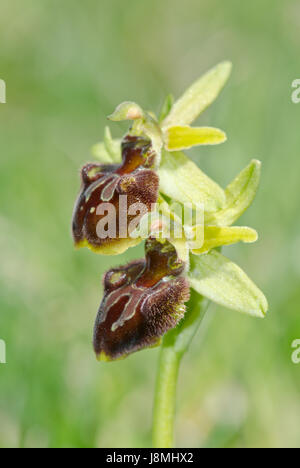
(175, 344)
(165, 396)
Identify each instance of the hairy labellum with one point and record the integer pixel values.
(107, 207)
(141, 302)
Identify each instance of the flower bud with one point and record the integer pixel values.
(141, 302)
(102, 187)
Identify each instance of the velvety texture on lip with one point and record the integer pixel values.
(141, 302)
(135, 177)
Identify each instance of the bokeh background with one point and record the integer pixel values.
(67, 65)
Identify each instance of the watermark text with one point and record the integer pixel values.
(2, 352)
(2, 92)
(296, 93)
(177, 221)
(296, 353)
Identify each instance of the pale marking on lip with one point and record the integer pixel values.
(116, 299)
(136, 295)
(88, 192)
(135, 300)
(115, 296)
(109, 190)
(133, 303)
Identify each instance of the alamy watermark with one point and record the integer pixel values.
(2, 92)
(2, 352)
(296, 353)
(296, 93)
(136, 221)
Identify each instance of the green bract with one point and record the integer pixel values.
(210, 273)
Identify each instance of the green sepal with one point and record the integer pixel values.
(216, 236)
(239, 196)
(198, 97)
(183, 181)
(222, 281)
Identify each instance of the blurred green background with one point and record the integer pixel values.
(67, 65)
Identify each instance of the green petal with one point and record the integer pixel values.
(109, 151)
(217, 278)
(198, 97)
(184, 137)
(183, 181)
(215, 236)
(239, 196)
